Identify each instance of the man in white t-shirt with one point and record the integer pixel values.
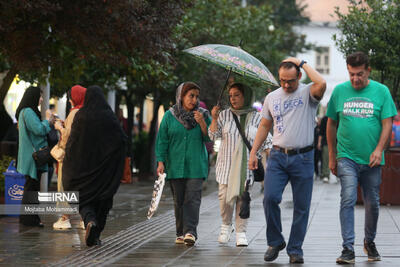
(291, 109)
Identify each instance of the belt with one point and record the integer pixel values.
(293, 151)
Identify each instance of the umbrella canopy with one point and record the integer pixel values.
(157, 192)
(234, 59)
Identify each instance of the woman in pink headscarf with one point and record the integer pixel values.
(76, 97)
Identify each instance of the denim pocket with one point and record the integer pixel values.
(307, 157)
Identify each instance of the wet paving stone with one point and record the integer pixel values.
(129, 239)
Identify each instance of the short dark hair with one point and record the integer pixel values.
(358, 59)
(288, 65)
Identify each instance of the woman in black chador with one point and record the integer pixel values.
(94, 161)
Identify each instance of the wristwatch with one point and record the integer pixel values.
(302, 63)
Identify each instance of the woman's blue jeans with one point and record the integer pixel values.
(350, 174)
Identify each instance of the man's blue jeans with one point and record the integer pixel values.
(299, 170)
(350, 174)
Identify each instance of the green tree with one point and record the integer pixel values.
(265, 29)
(65, 34)
(373, 26)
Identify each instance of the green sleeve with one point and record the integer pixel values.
(388, 108)
(332, 109)
(34, 124)
(162, 141)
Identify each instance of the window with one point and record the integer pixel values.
(322, 60)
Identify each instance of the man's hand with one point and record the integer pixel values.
(375, 158)
(160, 168)
(253, 162)
(333, 165)
(293, 60)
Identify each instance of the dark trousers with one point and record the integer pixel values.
(187, 200)
(96, 212)
(31, 187)
(317, 158)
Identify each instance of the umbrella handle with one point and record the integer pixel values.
(223, 88)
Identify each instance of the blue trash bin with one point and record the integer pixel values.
(13, 186)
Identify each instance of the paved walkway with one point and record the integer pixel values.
(131, 240)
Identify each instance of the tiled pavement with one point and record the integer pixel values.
(130, 240)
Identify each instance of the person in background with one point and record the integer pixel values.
(181, 153)
(231, 168)
(323, 147)
(317, 150)
(32, 137)
(76, 98)
(94, 161)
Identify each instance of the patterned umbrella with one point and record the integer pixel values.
(234, 59)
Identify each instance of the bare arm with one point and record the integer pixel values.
(262, 133)
(331, 139)
(376, 156)
(318, 87)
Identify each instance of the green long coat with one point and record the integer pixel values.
(182, 151)
(37, 131)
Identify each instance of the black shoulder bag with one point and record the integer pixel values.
(42, 156)
(259, 172)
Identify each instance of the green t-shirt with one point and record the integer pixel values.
(360, 114)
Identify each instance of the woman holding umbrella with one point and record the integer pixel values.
(180, 151)
(231, 168)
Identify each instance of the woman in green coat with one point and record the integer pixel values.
(181, 153)
(32, 136)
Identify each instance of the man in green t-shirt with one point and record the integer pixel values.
(360, 115)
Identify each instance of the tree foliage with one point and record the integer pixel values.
(64, 34)
(373, 26)
(264, 30)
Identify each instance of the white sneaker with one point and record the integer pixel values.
(225, 234)
(241, 240)
(326, 180)
(62, 224)
(82, 225)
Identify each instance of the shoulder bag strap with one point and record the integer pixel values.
(241, 131)
(27, 132)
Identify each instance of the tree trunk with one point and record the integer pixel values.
(5, 119)
(131, 113)
(153, 130)
(140, 122)
(7, 81)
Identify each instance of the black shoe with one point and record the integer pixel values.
(371, 251)
(347, 257)
(272, 252)
(296, 258)
(91, 234)
(98, 242)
